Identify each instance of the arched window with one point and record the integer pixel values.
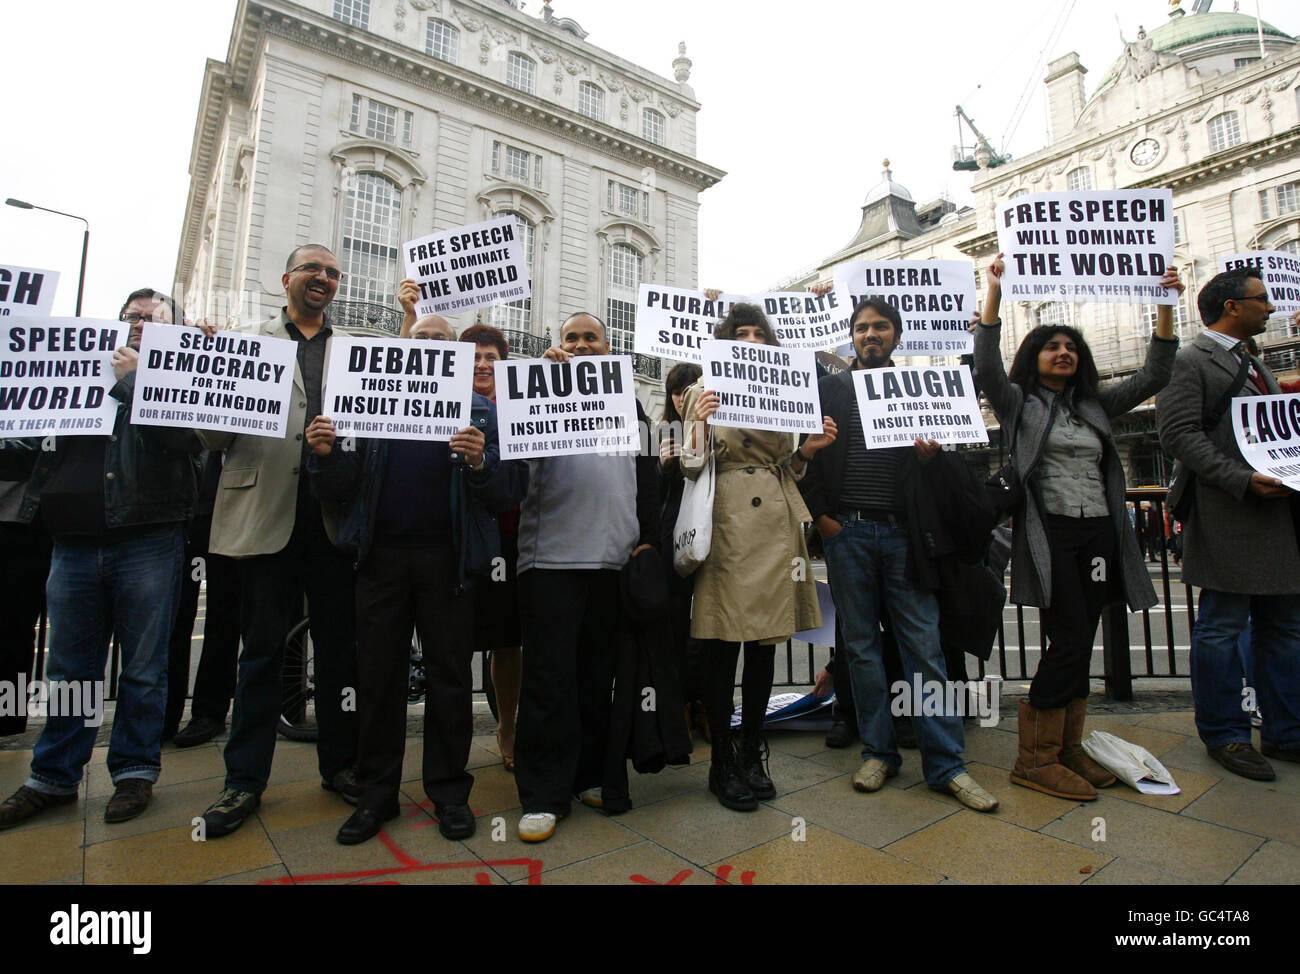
(1225, 131)
(517, 315)
(620, 313)
(1077, 179)
(442, 41)
(372, 239)
(652, 126)
(591, 100)
(521, 72)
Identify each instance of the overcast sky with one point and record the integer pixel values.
(801, 102)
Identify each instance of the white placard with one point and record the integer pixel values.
(229, 381)
(468, 267)
(553, 409)
(1280, 271)
(898, 405)
(935, 299)
(27, 290)
(1095, 245)
(1268, 434)
(55, 375)
(805, 320)
(674, 322)
(398, 388)
(763, 387)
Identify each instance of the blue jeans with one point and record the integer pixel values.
(866, 564)
(129, 588)
(1221, 717)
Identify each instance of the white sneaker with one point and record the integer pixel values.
(537, 826)
(592, 797)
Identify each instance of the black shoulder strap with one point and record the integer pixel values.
(1214, 414)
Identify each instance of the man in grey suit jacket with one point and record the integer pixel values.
(266, 516)
(1240, 541)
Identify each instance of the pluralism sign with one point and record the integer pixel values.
(552, 409)
(899, 405)
(1268, 435)
(229, 381)
(56, 374)
(1280, 272)
(1095, 245)
(26, 290)
(468, 267)
(762, 387)
(399, 388)
(935, 299)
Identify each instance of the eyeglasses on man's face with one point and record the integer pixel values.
(132, 318)
(312, 268)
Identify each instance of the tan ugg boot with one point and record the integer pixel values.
(1073, 756)
(1038, 765)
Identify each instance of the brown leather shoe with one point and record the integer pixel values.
(130, 798)
(1073, 756)
(27, 802)
(1038, 765)
(1240, 757)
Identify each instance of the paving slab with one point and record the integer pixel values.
(173, 856)
(1127, 872)
(645, 864)
(173, 806)
(824, 858)
(1273, 863)
(874, 819)
(1250, 806)
(584, 834)
(48, 853)
(696, 827)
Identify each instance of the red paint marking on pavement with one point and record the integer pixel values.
(396, 849)
(677, 880)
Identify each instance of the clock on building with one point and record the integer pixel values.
(1145, 152)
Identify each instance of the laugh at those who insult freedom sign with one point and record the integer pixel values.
(674, 322)
(1280, 272)
(898, 405)
(935, 299)
(399, 388)
(1268, 435)
(763, 387)
(553, 409)
(468, 267)
(229, 381)
(1096, 245)
(26, 290)
(55, 375)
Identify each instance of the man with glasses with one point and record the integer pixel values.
(265, 516)
(115, 505)
(1240, 544)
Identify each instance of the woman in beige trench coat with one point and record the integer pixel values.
(755, 587)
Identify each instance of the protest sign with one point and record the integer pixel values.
(673, 322)
(468, 267)
(1268, 434)
(399, 388)
(1095, 245)
(806, 320)
(763, 387)
(935, 299)
(897, 405)
(55, 375)
(551, 409)
(1280, 272)
(26, 290)
(229, 381)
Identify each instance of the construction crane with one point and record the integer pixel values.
(963, 162)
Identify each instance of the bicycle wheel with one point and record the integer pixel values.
(298, 686)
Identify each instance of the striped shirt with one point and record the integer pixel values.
(870, 476)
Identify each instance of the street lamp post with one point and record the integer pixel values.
(85, 241)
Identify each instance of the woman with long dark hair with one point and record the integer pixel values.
(1072, 550)
(749, 590)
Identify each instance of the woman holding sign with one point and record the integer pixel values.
(1072, 550)
(754, 588)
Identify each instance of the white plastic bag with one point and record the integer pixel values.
(1130, 763)
(693, 532)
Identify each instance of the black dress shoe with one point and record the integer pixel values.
(1291, 754)
(228, 812)
(1241, 758)
(199, 730)
(363, 824)
(130, 798)
(27, 802)
(345, 785)
(455, 821)
(841, 734)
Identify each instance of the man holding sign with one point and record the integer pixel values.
(1240, 539)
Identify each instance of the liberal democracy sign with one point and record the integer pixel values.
(468, 267)
(935, 299)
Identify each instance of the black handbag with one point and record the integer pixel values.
(1006, 491)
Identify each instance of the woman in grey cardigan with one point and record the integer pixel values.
(1072, 549)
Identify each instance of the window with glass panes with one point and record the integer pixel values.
(514, 163)
(1182, 318)
(372, 239)
(376, 120)
(518, 315)
(628, 200)
(1225, 131)
(520, 72)
(591, 101)
(442, 41)
(620, 313)
(1077, 179)
(1279, 200)
(1053, 313)
(652, 126)
(354, 12)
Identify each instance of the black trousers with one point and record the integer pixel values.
(400, 590)
(271, 588)
(1085, 577)
(24, 566)
(569, 621)
(755, 689)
